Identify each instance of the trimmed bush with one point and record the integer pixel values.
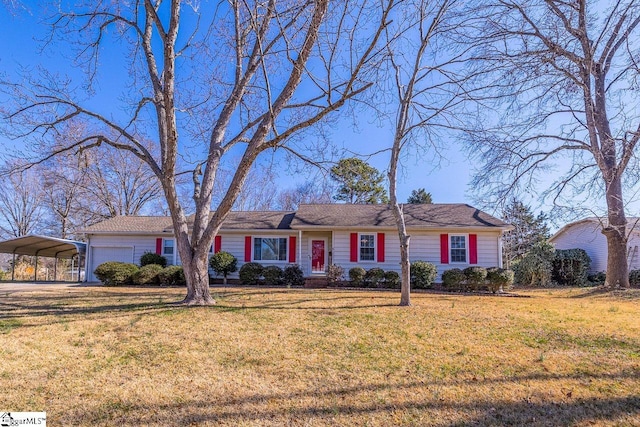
(499, 278)
(392, 279)
(356, 276)
(172, 276)
(453, 279)
(423, 274)
(598, 279)
(250, 273)
(571, 267)
(293, 275)
(223, 263)
(634, 278)
(335, 274)
(149, 258)
(535, 268)
(272, 275)
(147, 275)
(374, 277)
(115, 273)
(475, 277)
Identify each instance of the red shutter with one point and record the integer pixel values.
(380, 247)
(473, 248)
(354, 247)
(292, 249)
(159, 245)
(247, 249)
(217, 244)
(444, 249)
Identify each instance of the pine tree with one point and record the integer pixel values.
(528, 231)
(358, 182)
(419, 197)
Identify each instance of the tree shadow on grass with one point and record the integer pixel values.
(323, 405)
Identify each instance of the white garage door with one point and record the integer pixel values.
(114, 253)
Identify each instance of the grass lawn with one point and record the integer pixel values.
(125, 356)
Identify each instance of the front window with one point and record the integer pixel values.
(167, 247)
(459, 249)
(270, 249)
(367, 247)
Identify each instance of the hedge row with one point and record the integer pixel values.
(253, 273)
(122, 274)
(477, 278)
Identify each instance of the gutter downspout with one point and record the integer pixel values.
(300, 250)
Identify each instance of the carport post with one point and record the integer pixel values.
(55, 268)
(35, 271)
(13, 268)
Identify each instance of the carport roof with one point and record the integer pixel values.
(43, 246)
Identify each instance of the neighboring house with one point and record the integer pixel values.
(587, 234)
(315, 236)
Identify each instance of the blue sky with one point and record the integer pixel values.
(446, 178)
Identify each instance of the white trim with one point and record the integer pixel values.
(175, 249)
(281, 236)
(375, 247)
(326, 255)
(466, 248)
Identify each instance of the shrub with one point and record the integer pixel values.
(535, 268)
(172, 276)
(634, 278)
(293, 275)
(571, 267)
(423, 274)
(223, 263)
(147, 275)
(453, 279)
(499, 278)
(598, 279)
(272, 275)
(250, 273)
(374, 277)
(149, 258)
(475, 277)
(392, 279)
(115, 273)
(356, 276)
(335, 274)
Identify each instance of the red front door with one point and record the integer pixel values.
(317, 256)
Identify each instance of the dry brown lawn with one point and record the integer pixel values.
(126, 356)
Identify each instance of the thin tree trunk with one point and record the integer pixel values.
(405, 266)
(198, 292)
(616, 234)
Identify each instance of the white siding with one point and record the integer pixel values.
(424, 246)
(588, 236)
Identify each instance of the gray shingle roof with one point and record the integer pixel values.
(416, 216)
(320, 216)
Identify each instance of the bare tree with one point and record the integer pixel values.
(425, 91)
(20, 204)
(315, 191)
(565, 76)
(227, 86)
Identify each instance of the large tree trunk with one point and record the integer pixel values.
(196, 273)
(616, 234)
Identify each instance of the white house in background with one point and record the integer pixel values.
(315, 236)
(587, 234)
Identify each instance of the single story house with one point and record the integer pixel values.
(317, 235)
(587, 234)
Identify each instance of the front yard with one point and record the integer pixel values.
(126, 356)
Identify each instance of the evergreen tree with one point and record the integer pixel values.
(529, 230)
(359, 182)
(419, 197)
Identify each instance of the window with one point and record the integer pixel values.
(458, 249)
(367, 247)
(167, 246)
(270, 248)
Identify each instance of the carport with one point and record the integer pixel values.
(49, 247)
